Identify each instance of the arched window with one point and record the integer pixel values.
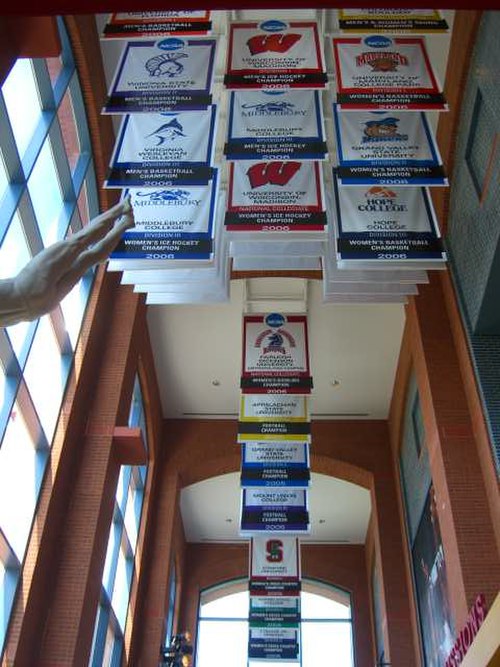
(326, 626)
(47, 191)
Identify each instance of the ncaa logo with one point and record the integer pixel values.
(275, 320)
(171, 44)
(273, 25)
(378, 42)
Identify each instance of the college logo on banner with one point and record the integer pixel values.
(275, 355)
(152, 24)
(275, 510)
(170, 74)
(275, 464)
(382, 223)
(161, 149)
(274, 417)
(273, 644)
(275, 54)
(379, 72)
(274, 557)
(381, 147)
(275, 196)
(391, 20)
(174, 221)
(275, 125)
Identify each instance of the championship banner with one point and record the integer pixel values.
(275, 355)
(273, 644)
(275, 196)
(274, 611)
(274, 558)
(275, 125)
(176, 222)
(391, 20)
(280, 510)
(161, 149)
(275, 464)
(383, 147)
(151, 24)
(274, 417)
(275, 54)
(379, 72)
(172, 74)
(383, 225)
(272, 588)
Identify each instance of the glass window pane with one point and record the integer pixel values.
(133, 515)
(45, 193)
(73, 308)
(18, 483)
(4, 179)
(8, 583)
(326, 642)
(14, 255)
(45, 376)
(121, 589)
(108, 647)
(22, 102)
(122, 488)
(219, 639)
(67, 122)
(108, 576)
(319, 606)
(230, 606)
(83, 205)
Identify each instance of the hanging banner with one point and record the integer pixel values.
(274, 417)
(391, 20)
(274, 588)
(275, 355)
(275, 54)
(151, 24)
(274, 558)
(171, 74)
(382, 225)
(275, 196)
(275, 125)
(274, 611)
(386, 148)
(274, 510)
(173, 221)
(161, 149)
(275, 464)
(379, 72)
(273, 644)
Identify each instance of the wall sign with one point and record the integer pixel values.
(477, 614)
(170, 74)
(391, 20)
(275, 197)
(275, 54)
(386, 147)
(160, 149)
(151, 24)
(275, 355)
(381, 224)
(380, 72)
(275, 125)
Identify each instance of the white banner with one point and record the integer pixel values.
(170, 74)
(379, 72)
(275, 355)
(179, 221)
(286, 454)
(382, 224)
(159, 149)
(275, 644)
(391, 20)
(152, 24)
(274, 557)
(275, 125)
(273, 510)
(274, 417)
(387, 148)
(275, 196)
(275, 54)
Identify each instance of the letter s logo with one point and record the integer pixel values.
(275, 173)
(277, 43)
(274, 551)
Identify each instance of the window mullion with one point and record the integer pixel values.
(30, 416)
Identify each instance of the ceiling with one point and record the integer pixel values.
(354, 351)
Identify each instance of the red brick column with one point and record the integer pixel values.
(472, 557)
